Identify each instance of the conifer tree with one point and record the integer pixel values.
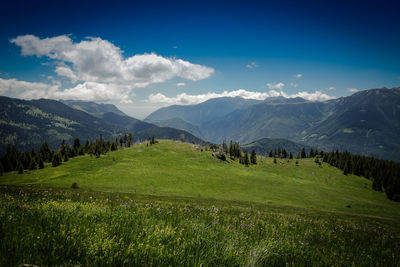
(33, 164)
(290, 155)
(275, 160)
(270, 153)
(1, 168)
(224, 146)
(41, 164)
(253, 157)
(284, 153)
(347, 168)
(56, 160)
(246, 158)
(77, 143)
(303, 153)
(231, 151)
(311, 153)
(20, 168)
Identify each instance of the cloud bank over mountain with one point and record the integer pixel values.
(187, 99)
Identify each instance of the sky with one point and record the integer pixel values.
(142, 55)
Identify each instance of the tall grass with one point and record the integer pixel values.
(45, 226)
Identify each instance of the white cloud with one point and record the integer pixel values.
(352, 90)
(318, 95)
(180, 84)
(252, 65)
(97, 63)
(294, 85)
(26, 90)
(332, 88)
(298, 76)
(186, 99)
(175, 47)
(89, 91)
(278, 86)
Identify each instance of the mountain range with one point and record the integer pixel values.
(27, 124)
(367, 122)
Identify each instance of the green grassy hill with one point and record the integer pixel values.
(172, 168)
(172, 204)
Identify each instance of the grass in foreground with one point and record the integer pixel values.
(48, 226)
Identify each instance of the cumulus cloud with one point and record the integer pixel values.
(278, 86)
(332, 88)
(318, 95)
(96, 63)
(187, 99)
(252, 65)
(180, 84)
(352, 90)
(298, 76)
(89, 91)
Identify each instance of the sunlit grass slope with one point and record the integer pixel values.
(179, 169)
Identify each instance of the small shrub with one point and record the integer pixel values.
(75, 186)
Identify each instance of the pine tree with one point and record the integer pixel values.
(33, 164)
(246, 158)
(290, 155)
(377, 185)
(41, 164)
(253, 157)
(56, 160)
(77, 143)
(224, 146)
(347, 168)
(114, 146)
(231, 151)
(311, 153)
(275, 160)
(66, 157)
(130, 138)
(270, 153)
(20, 168)
(284, 153)
(303, 153)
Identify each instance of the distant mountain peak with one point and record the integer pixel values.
(96, 109)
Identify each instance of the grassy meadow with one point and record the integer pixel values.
(173, 204)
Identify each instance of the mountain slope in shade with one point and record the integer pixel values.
(285, 119)
(27, 124)
(178, 123)
(263, 146)
(203, 112)
(367, 122)
(95, 109)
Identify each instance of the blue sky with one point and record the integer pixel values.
(201, 49)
